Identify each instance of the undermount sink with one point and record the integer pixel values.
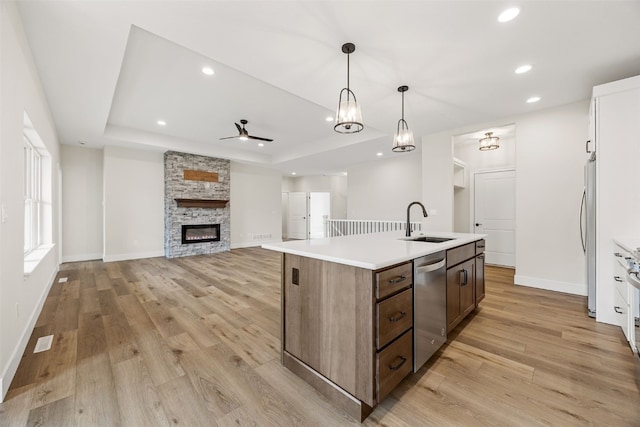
(429, 239)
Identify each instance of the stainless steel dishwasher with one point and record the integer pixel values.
(429, 306)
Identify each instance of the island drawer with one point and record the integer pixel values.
(394, 316)
(480, 246)
(394, 279)
(461, 253)
(394, 363)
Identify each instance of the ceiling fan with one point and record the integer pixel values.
(244, 135)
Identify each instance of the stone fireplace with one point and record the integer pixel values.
(196, 204)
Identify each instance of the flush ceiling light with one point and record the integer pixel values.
(403, 139)
(533, 99)
(523, 69)
(349, 116)
(379, 154)
(260, 144)
(489, 142)
(293, 173)
(208, 71)
(508, 14)
(161, 123)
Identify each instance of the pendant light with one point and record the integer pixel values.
(403, 139)
(348, 116)
(489, 142)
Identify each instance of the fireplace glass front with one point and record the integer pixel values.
(200, 233)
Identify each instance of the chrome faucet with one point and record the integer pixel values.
(424, 212)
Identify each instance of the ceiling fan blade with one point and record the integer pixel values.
(239, 128)
(230, 137)
(258, 138)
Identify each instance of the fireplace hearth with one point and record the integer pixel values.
(200, 233)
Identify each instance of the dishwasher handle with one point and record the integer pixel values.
(428, 268)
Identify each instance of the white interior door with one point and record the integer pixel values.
(495, 215)
(298, 214)
(319, 207)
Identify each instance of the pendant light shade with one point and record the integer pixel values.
(403, 139)
(489, 142)
(348, 116)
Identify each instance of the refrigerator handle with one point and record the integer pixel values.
(583, 237)
(586, 146)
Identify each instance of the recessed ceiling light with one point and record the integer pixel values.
(379, 154)
(293, 173)
(329, 118)
(81, 142)
(523, 69)
(161, 122)
(508, 14)
(345, 173)
(533, 99)
(208, 71)
(260, 144)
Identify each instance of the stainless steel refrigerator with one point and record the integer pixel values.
(588, 230)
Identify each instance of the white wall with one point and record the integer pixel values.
(383, 189)
(549, 182)
(437, 180)
(133, 204)
(81, 203)
(21, 297)
(256, 205)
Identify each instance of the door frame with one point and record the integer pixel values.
(472, 195)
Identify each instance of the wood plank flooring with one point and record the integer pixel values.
(195, 342)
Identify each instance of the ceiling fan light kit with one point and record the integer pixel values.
(489, 142)
(403, 139)
(349, 115)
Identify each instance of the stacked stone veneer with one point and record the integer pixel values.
(176, 187)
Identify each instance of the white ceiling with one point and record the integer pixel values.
(110, 70)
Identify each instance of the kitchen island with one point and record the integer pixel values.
(349, 304)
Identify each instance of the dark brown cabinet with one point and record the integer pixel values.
(479, 285)
(460, 292)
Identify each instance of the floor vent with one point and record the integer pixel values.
(62, 280)
(43, 344)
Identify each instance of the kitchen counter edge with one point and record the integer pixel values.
(371, 251)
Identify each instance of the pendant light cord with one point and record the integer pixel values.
(348, 55)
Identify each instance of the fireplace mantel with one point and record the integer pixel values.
(201, 203)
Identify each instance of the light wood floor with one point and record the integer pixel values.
(195, 341)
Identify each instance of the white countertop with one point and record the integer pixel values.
(371, 251)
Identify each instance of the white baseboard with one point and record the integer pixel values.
(82, 257)
(551, 285)
(252, 244)
(14, 361)
(138, 255)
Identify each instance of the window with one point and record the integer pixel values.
(32, 197)
(38, 194)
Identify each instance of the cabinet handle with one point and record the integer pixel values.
(396, 367)
(618, 279)
(463, 279)
(618, 254)
(480, 256)
(397, 280)
(400, 317)
(618, 309)
(586, 146)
